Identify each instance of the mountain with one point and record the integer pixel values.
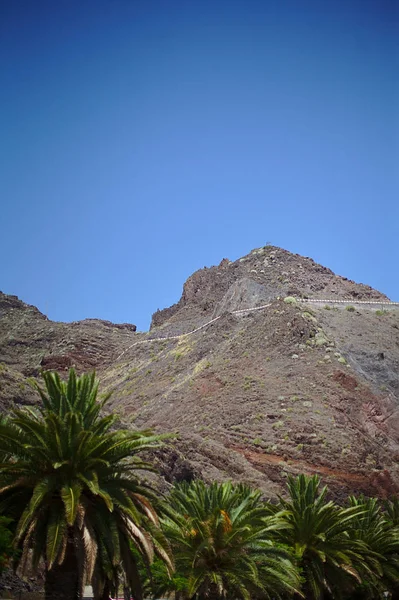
(266, 366)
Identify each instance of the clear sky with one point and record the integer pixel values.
(142, 140)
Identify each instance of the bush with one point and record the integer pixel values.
(350, 308)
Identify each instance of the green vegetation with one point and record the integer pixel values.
(72, 500)
(7, 550)
(70, 481)
(228, 543)
(350, 308)
(320, 338)
(317, 531)
(249, 382)
(220, 536)
(201, 366)
(182, 348)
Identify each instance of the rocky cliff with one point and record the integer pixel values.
(253, 395)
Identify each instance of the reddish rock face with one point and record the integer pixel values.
(255, 395)
(348, 382)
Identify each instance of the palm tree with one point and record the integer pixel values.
(392, 515)
(391, 507)
(375, 529)
(220, 535)
(317, 531)
(69, 478)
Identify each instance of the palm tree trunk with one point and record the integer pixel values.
(213, 593)
(395, 593)
(106, 590)
(63, 581)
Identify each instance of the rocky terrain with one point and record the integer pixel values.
(255, 395)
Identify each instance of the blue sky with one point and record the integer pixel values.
(141, 141)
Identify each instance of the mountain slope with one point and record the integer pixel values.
(293, 387)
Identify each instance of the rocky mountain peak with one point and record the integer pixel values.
(261, 276)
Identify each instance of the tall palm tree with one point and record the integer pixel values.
(220, 535)
(70, 479)
(317, 530)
